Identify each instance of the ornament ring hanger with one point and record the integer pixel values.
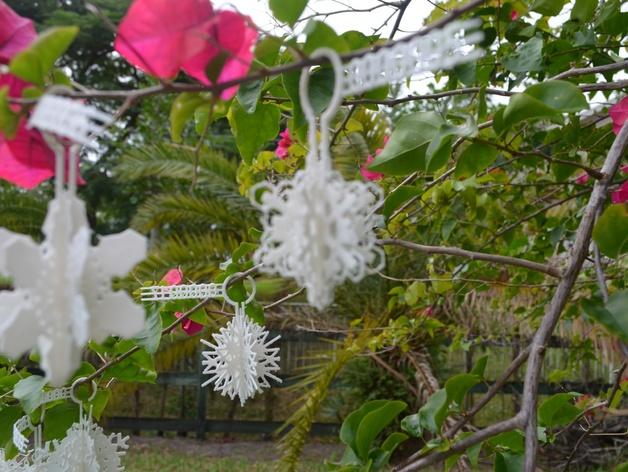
(332, 107)
(232, 302)
(77, 383)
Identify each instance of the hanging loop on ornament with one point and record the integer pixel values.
(336, 100)
(229, 300)
(77, 383)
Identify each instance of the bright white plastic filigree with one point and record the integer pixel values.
(240, 362)
(86, 448)
(439, 49)
(318, 228)
(62, 293)
(68, 118)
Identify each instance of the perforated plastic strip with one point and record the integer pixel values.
(181, 292)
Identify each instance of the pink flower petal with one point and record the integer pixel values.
(16, 33)
(26, 160)
(621, 195)
(159, 36)
(173, 277)
(582, 178)
(229, 33)
(16, 86)
(189, 326)
(369, 174)
(619, 114)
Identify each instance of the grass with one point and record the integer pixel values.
(170, 461)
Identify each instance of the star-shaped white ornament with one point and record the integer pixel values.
(62, 293)
(241, 361)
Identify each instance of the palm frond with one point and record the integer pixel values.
(197, 255)
(168, 161)
(200, 213)
(22, 212)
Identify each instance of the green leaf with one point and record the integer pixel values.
(29, 392)
(527, 57)
(253, 130)
(584, 10)
(255, 311)
(287, 11)
(393, 440)
(8, 416)
(398, 197)
(612, 315)
(548, 7)
(58, 420)
(430, 416)
(321, 35)
(511, 440)
(458, 386)
(150, 337)
(248, 95)
(558, 410)
(611, 230)
(8, 119)
(349, 428)
(480, 366)
(242, 250)
(182, 110)
(475, 158)
(373, 423)
(406, 148)
(139, 367)
(506, 462)
(34, 63)
(545, 100)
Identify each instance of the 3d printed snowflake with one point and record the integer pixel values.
(63, 295)
(241, 361)
(318, 229)
(86, 448)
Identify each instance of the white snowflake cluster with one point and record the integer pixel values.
(62, 293)
(241, 361)
(318, 229)
(85, 448)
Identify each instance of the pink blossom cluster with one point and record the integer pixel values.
(190, 327)
(369, 174)
(284, 144)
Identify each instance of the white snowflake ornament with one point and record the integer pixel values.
(62, 293)
(231, 362)
(86, 448)
(240, 361)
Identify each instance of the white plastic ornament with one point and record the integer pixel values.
(240, 361)
(318, 228)
(62, 293)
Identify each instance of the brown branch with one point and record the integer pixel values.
(591, 70)
(563, 291)
(290, 296)
(402, 9)
(473, 255)
(395, 374)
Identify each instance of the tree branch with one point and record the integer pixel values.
(480, 256)
(591, 70)
(563, 291)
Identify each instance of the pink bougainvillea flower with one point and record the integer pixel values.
(229, 40)
(161, 42)
(621, 195)
(284, 143)
(26, 160)
(582, 178)
(173, 277)
(369, 174)
(16, 33)
(514, 14)
(619, 114)
(15, 85)
(189, 326)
